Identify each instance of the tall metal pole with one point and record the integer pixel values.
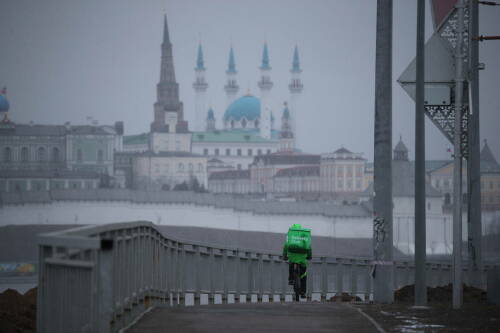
(383, 285)
(420, 216)
(473, 165)
(457, 167)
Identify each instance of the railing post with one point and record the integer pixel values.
(105, 280)
(211, 270)
(260, 270)
(340, 276)
(368, 280)
(237, 263)
(225, 274)
(42, 306)
(324, 278)
(354, 278)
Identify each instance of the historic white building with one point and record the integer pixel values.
(36, 157)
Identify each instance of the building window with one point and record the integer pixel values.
(349, 171)
(216, 151)
(228, 152)
(24, 154)
(268, 151)
(428, 206)
(447, 199)
(256, 124)
(250, 152)
(200, 167)
(191, 168)
(359, 170)
(259, 151)
(232, 123)
(41, 154)
(205, 151)
(238, 152)
(180, 168)
(79, 155)
(100, 155)
(239, 166)
(244, 123)
(55, 154)
(7, 154)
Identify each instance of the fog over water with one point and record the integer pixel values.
(64, 60)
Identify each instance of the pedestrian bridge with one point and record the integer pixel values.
(102, 278)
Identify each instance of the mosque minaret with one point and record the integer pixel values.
(200, 86)
(231, 86)
(265, 85)
(295, 88)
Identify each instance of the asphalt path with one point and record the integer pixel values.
(258, 317)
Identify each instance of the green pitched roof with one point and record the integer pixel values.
(136, 139)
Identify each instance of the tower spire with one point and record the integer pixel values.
(231, 66)
(166, 36)
(265, 58)
(199, 60)
(296, 61)
(167, 92)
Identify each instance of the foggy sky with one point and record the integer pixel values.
(64, 60)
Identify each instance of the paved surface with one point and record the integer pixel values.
(260, 317)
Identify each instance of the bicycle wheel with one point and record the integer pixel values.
(296, 281)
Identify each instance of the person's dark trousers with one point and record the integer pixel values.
(303, 280)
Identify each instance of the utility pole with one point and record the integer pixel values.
(474, 167)
(457, 166)
(383, 274)
(420, 215)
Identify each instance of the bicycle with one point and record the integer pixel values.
(296, 281)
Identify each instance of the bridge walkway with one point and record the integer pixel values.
(255, 318)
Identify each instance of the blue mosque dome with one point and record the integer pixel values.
(244, 107)
(4, 104)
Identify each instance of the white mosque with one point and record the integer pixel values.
(248, 121)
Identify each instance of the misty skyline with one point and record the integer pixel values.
(67, 60)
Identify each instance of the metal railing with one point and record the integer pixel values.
(100, 278)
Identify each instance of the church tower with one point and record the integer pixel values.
(231, 86)
(200, 86)
(168, 109)
(265, 85)
(295, 88)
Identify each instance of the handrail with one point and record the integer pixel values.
(99, 278)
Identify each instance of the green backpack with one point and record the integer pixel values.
(298, 239)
